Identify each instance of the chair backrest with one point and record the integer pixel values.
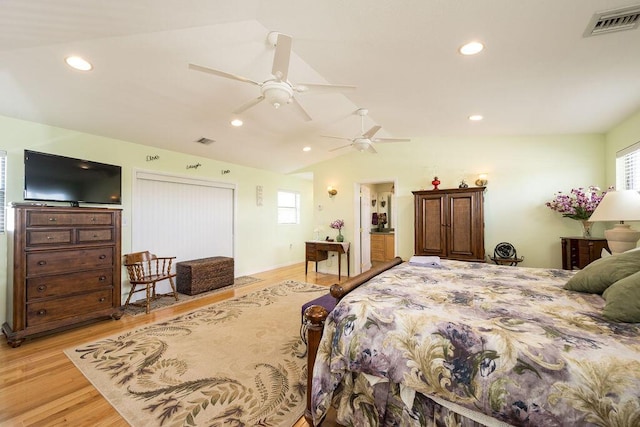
(143, 265)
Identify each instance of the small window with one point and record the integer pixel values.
(3, 187)
(288, 207)
(628, 168)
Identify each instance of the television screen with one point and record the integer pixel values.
(48, 177)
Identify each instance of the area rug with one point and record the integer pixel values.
(167, 301)
(232, 363)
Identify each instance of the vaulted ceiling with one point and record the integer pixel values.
(537, 75)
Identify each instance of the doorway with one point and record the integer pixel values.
(374, 212)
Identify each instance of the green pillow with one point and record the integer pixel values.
(596, 277)
(623, 300)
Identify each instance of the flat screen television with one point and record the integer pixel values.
(53, 178)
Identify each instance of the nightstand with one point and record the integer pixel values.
(577, 252)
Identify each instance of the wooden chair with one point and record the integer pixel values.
(145, 270)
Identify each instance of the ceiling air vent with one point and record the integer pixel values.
(610, 21)
(205, 141)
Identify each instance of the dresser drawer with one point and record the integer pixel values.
(65, 284)
(48, 237)
(95, 235)
(377, 243)
(68, 218)
(39, 263)
(43, 312)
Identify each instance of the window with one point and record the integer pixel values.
(628, 168)
(3, 187)
(288, 207)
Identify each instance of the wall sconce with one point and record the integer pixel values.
(373, 202)
(332, 191)
(482, 180)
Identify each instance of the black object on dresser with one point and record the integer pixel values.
(64, 268)
(577, 252)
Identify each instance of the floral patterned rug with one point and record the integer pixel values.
(166, 301)
(236, 362)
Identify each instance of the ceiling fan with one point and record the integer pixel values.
(277, 91)
(365, 140)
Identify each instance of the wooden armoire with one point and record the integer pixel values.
(450, 223)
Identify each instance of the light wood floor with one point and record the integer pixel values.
(39, 386)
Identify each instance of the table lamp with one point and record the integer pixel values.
(619, 206)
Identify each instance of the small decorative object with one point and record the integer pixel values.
(338, 224)
(579, 204)
(435, 182)
(382, 220)
(463, 184)
(373, 202)
(383, 203)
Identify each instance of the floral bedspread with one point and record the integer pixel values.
(507, 342)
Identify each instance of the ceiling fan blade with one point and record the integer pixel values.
(339, 148)
(301, 109)
(281, 58)
(369, 134)
(336, 137)
(244, 107)
(390, 140)
(372, 150)
(321, 88)
(222, 74)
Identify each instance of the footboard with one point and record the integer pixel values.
(316, 316)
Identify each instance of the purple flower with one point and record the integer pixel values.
(579, 203)
(337, 224)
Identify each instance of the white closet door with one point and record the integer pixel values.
(182, 217)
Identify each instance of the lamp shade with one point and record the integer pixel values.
(621, 205)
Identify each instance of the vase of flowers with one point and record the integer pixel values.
(578, 204)
(338, 224)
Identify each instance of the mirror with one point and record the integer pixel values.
(383, 209)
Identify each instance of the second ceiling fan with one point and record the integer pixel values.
(277, 91)
(364, 142)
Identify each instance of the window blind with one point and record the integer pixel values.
(628, 168)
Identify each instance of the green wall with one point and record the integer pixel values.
(260, 243)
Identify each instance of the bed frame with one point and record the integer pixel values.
(316, 315)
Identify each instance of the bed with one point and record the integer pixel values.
(472, 344)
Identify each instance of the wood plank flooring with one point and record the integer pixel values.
(39, 386)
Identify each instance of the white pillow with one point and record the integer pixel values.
(604, 253)
(631, 250)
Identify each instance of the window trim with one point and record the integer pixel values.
(296, 207)
(624, 156)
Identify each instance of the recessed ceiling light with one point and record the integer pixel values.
(475, 117)
(236, 122)
(306, 149)
(78, 63)
(471, 48)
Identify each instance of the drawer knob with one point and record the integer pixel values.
(93, 219)
(103, 256)
(95, 236)
(102, 278)
(102, 299)
(42, 262)
(52, 219)
(41, 312)
(42, 288)
(49, 237)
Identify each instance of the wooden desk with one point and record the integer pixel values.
(318, 251)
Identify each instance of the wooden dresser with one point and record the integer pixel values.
(66, 268)
(450, 223)
(578, 252)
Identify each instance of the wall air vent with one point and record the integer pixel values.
(205, 141)
(610, 21)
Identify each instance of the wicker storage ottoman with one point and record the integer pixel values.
(201, 275)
